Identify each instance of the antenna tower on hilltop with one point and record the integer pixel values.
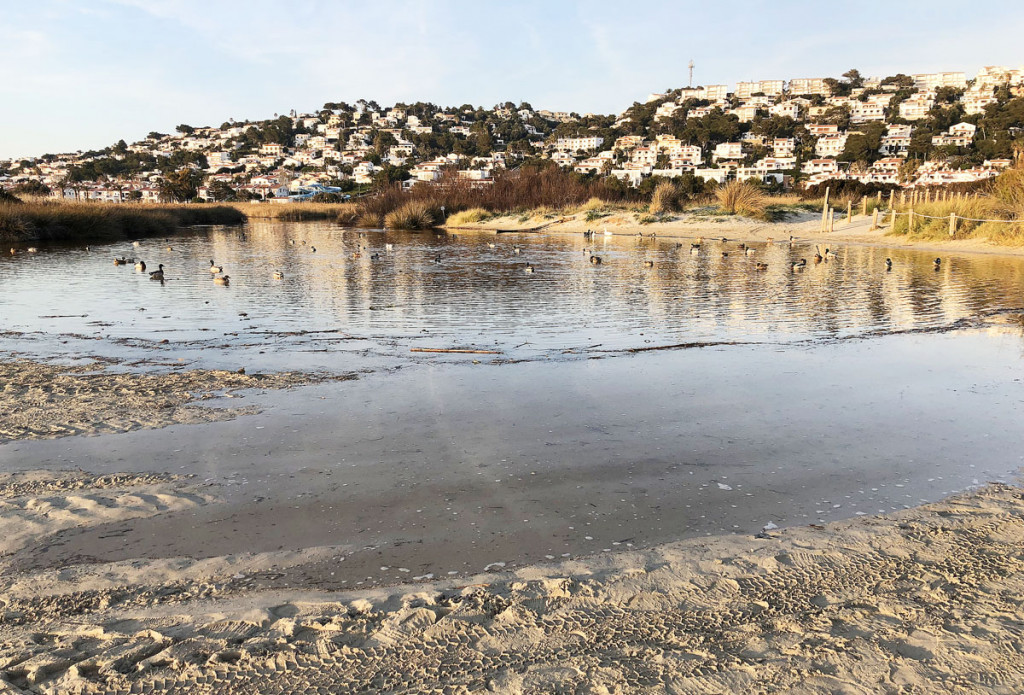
(691, 72)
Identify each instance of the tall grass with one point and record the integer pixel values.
(739, 197)
(525, 189)
(931, 220)
(665, 198)
(295, 212)
(415, 214)
(471, 216)
(92, 222)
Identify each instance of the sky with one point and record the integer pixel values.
(82, 74)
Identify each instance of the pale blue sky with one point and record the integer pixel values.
(81, 74)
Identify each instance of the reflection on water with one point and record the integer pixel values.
(471, 290)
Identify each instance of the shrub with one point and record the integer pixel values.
(470, 216)
(739, 197)
(415, 214)
(665, 198)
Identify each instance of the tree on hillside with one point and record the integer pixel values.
(180, 186)
(853, 78)
(220, 191)
(185, 128)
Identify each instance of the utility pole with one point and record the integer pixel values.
(691, 72)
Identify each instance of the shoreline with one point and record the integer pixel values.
(805, 227)
(926, 598)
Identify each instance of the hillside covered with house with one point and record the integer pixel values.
(907, 130)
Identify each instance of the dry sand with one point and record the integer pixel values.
(40, 400)
(925, 600)
(805, 227)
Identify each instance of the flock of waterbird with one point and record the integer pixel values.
(696, 248)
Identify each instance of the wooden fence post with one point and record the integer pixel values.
(874, 220)
(892, 217)
(849, 211)
(952, 224)
(832, 220)
(910, 221)
(864, 206)
(824, 210)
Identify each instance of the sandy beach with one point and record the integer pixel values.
(804, 227)
(925, 600)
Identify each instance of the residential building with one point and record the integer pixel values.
(728, 150)
(809, 85)
(929, 82)
(579, 144)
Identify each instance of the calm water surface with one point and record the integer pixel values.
(844, 395)
(470, 291)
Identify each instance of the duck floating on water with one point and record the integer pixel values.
(140, 266)
(888, 264)
(216, 268)
(648, 264)
(157, 274)
(760, 266)
(528, 268)
(278, 275)
(799, 265)
(596, 260)
(937, 263)
(222, 280)
(121, 261)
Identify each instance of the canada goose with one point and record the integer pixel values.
(648, 264)
(888, 264)
(222, 280)
(140, 266)
(278, 275)
(216, 268)
(374, 256)
(157, 274)
(760, 266)
(596, 260)
(121, 261)
(528, 268)
(799, 265)
(437, 259)
(937, 263)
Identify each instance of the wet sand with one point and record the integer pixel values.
(925, 600)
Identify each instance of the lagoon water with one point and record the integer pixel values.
(835, 391)
(340, 299)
